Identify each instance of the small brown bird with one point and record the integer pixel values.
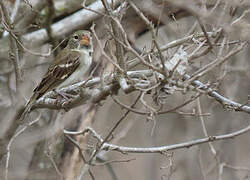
(68, 67)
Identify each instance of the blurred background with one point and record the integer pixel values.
(197, 33)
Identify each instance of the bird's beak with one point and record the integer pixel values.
(85, 41)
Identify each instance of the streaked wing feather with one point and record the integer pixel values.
(58, 72)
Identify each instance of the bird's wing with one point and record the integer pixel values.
(58, 72)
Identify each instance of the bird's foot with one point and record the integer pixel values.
(64, 95)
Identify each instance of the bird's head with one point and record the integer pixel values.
(80, 40)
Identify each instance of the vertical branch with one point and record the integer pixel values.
(49, 20)
(153, 33)
(14, 54)
(119, 48)
(118, 33)
(204, 127)
(205, 33)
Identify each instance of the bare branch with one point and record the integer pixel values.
(9, 26)
(162, 149)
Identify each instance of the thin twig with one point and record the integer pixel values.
(11, 142)
(162, 149)
(205, 32)
(55, 166)
(102, 51)
(113, 161)
(77, 145)
(112, 130)
(212, 149)
(202, 71)
(153, 33)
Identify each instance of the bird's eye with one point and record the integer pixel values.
(76, 37)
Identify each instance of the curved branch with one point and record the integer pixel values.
(226, 103)
(162, 149)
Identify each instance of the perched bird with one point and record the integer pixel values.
(68, 67)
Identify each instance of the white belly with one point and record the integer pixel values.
(79, 73)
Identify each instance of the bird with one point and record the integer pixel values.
(68, 67)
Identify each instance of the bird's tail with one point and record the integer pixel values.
(25, 111)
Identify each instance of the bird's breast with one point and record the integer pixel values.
(78, 74)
